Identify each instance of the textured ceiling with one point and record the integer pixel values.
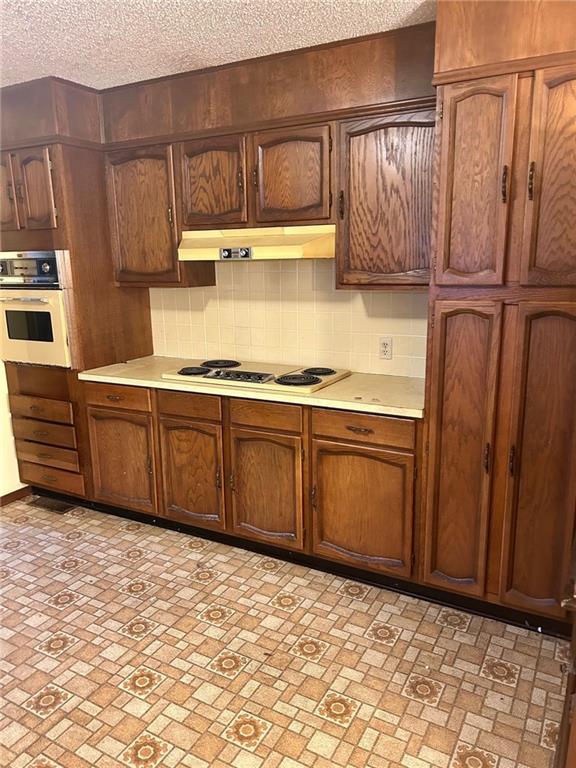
(108, 42)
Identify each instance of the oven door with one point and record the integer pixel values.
(33, 327)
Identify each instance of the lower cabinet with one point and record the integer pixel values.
(266, 487)
(192, 474)
(362, 506)
(122, 449)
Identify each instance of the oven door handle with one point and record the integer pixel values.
(25, 300)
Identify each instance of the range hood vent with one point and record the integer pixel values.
(308, 242)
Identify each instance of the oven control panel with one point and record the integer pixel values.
(28, 268)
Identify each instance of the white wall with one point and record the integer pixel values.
(9, 480)
(286, 311)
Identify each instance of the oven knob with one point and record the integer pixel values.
(2, 267)
(45, 267)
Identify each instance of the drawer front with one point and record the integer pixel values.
(118, 396)
(43, 432)
(255, 413)
(48, 477)
(194, 406)
(42, 408)
(61, 458)
(365, 428)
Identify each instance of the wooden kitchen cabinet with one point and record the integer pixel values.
(27, 194)
(291, 174)
(477, 135)
(266, 487)
(540, 496)
(363, 506)
(385, 202)
(122, 452)
(464, 369)
(549, 243)
(192, 472)
(211, 181)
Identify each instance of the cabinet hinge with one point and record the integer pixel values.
(441, 111)
(49, 164)
(55, 212)
(303, 454)
(330, 144)
(413, 559)
(330, 199)
(573, 704)
(415, 472)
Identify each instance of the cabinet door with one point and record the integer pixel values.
(9, 219)
(465, 356)
(292, 174)
(266, 487)
(541, 488)
(142, 218)
(549, 247)
(192, 472)
(122, 455)
(477, 134)
(212, 181)
(385, 203)
(34, 191)
(363, 506)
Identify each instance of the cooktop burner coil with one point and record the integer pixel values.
(221, 364)
(297, 380)
(194, 370)
(319, 371)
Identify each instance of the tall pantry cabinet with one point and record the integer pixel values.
(501, 445)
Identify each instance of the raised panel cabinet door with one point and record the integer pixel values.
(266, 487)
(9, 219)
(541, 487)
(34, 190)
(464, 370)
(385, 204)
(476, 145)
(192, 472)
(363, 506)
(212, 181)
(291, 175)
(121, 449)
(141, 203)
(549, 246)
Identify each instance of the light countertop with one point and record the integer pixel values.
(366, 392)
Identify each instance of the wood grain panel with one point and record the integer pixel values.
(122, 455)
(541, 490)
(143, 214)
(211, 178)
(41, 408)
(189, 404)
(118, 396)
(48, 477)
(292, 174)
(266, 485)
(48, 455)
(549, 247)
(380, 430)
(44, 432)
(9, 219)
(474, 196)
(362, 500)
(34, 190)
(263, 415)
(192, 472)
(386, 199)
(464, 369)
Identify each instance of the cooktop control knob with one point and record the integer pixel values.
(45, 267)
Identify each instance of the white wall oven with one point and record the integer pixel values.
(33, 327)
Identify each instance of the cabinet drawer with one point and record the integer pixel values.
(255, 413)
(36, 474)
(61, 458)
(350, 425)
(43, 432)
(118, 395)
(42, 408)
(194, 406)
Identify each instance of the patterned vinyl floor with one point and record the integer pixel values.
(124, 644)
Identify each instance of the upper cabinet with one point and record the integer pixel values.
(385, 202)
(549, 246)
(27, 194)
(211, 177)
(477, 135)
(291, 174)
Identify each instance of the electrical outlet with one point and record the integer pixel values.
(385, 347)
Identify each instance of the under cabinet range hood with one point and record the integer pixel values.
(307, 242)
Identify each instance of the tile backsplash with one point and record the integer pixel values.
(285, 311)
